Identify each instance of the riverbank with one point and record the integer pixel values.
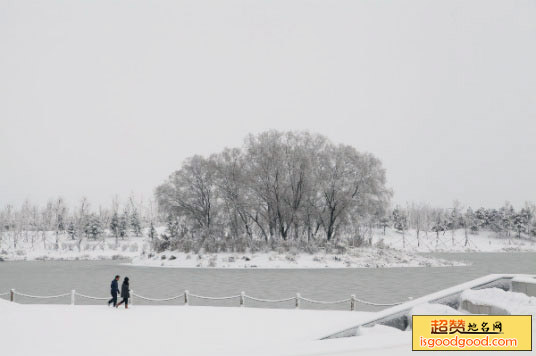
(392, 249)
(354, 258)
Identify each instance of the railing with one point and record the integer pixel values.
(353, 300)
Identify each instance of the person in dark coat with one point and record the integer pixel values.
(125, 293)
(114, 291)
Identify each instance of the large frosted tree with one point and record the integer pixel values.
(279, 186)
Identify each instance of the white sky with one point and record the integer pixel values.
(108, 97)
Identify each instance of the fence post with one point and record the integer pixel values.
(186, 297)
(12, 295)
(298, 296)
(73, 292)
(352, 302)
(242, 298)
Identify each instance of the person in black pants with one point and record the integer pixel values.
(114, 291)
(125, 293)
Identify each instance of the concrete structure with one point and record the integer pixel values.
(525, 285)
(399, 316)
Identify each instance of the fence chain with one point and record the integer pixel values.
(158, 299)
(326, 302)
(270, 300)
(90, 297)
(212, 298)
(41, 296)
(377, 304)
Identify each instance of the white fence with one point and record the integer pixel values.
(353, 300)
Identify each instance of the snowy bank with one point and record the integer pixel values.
(452, 241)
(70, 250)
(392, 249)
(356, 258)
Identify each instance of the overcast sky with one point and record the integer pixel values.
(108, 97)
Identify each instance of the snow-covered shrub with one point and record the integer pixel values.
(256, 246)
(239, 244)
(133, 248)
(187, 245)
(380, 244)
(340, 248)
(172, 257)
(161, 244)
(212, 261)
(213, 245)
(293, 251)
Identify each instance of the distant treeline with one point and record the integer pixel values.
(82, 221)
(505, 222)
(277, 190)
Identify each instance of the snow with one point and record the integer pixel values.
(407, 307)
(356, 258)
(433, 309)
(525, 279)
(172, 330)
(512, 302)
(483, 241)
(161, 330)
(44, 248)
(392, 249)
(193, 331)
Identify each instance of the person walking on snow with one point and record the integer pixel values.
(114, 291)
(125, 293)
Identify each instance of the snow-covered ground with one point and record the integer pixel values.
(179, 330)
(392, 249)
(161, 330)
(484, 241)
(356, 258)
(44, 247)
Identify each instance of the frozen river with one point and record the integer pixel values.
(378, 285)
